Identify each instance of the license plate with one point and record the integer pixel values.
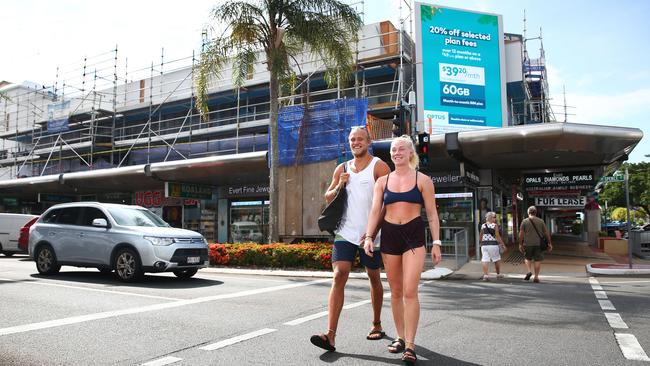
(193, 260)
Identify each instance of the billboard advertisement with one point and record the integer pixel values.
(461, 69)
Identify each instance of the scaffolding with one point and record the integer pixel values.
(102, 113)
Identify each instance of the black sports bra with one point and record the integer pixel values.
(412, 196)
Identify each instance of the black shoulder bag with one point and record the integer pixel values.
(330, 219)
(543, 242)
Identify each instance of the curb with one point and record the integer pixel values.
(617, 269)
(432, 274)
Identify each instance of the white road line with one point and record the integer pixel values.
(606, 305)
(597, 287)
(115, 313)
(630, 347)
(624, 282)
(306, 318)
(600, 294)
(324, 313)
(231, 341)
(162, 361)
(47, 283)
(357, 304)
(615, 321)
(593, 281)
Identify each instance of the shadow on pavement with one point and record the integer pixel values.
(148, 281)
(425, 357)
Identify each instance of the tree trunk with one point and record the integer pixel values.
(274, 195)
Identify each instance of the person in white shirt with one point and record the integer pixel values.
(359, 180)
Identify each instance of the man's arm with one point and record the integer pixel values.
(337, 183)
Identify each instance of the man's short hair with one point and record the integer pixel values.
(532, 210)
(361, 128)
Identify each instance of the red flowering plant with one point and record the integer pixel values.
(276, 255)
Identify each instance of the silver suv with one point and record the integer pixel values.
(128, 239)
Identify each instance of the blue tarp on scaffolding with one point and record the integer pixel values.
(320, 136)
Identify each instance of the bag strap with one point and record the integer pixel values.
(535, 227)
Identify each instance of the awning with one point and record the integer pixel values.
(235, 169)
(530, 147)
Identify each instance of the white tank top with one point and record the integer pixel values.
(360, 187)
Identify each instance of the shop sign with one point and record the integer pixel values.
(561, 201)
(560, 182)
(447, 179)
(187, 190)
(10, 201)
(56, 198)
(157, 199)
(246, 191)
(471, 176)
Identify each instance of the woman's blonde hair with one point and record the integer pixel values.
(414, 159)
(490, 215)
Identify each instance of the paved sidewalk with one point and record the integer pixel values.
(570, 257)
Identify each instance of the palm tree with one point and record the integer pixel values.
(278, 30)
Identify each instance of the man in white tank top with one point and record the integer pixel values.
(359, 180)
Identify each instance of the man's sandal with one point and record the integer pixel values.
(376, 334)
(409, 357)
(322, 341)
(397, 346)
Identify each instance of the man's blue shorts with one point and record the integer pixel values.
(345, 251)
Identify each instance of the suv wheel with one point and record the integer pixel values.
(127, 265)
(46, 263)
(185, 273)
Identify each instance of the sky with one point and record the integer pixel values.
(597, 50)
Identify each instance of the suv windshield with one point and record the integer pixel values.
(128, 216)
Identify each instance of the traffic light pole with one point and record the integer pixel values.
(629, 220)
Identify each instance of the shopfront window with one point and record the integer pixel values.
(456, 213)
(249, 221)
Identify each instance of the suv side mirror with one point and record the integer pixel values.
(100, 223)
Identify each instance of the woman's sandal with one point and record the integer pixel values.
(409, 357)
(397, 346)
(376, 334)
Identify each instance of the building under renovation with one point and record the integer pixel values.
(106, 131)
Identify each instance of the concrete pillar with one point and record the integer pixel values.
(592, 226)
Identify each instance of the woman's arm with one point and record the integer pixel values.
(498, 235)
(429, 195)
(375, 215)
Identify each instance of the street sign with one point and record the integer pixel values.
(613, 178)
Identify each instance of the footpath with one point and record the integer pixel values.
(570, 257)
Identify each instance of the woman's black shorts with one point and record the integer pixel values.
(397, 239)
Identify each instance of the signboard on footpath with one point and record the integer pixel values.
(561, 201)
(460, 69)
(559, 183)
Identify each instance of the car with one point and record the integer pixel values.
(246, 231)
(23, 238)
(10, 229)
(129, 240)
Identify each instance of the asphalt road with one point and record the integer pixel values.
(82, 317)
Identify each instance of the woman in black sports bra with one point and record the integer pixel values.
(399, 196)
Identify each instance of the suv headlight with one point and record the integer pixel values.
(160, 241)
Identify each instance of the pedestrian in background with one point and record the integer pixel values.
(529, 242)
(358, 179)
(396, 208)
(491, 244)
